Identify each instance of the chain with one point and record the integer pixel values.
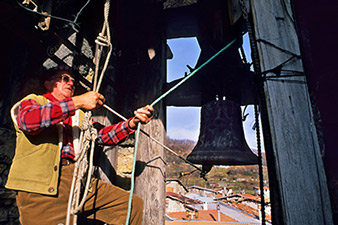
(254, 51)
(257, 70)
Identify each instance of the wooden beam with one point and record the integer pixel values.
(298, 163)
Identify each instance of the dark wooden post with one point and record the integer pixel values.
(298, 163)
(151, 164)
(150, 184)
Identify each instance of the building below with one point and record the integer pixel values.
(197, 205)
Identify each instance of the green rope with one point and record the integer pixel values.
(154, 103)
(133, 174)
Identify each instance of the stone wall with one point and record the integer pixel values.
(8, 211)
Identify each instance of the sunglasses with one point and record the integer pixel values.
(66, 79)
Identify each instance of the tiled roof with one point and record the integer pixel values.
(202, 188)
(182, 198)
(228, 197)
(243, 197)
(192, 222)
(205, 215)
(252, 197)
(250, 210)
(200, 198)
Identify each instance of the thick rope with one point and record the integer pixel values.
(88, 133)
(87, 137)
(152, 104)
(103, 40)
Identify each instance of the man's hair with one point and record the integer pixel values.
(55, 72)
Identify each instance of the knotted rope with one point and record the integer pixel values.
(87, 139)
(103, 40)
(88, 132)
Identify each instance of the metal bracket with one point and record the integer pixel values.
(31, 5)
(45, 23)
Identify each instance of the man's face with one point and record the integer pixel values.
(63, 86)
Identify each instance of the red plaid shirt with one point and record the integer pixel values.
(33, 118)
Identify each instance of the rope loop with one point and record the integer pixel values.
(83, 166)
(93, 133)
(103, 40)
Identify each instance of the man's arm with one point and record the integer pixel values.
(114, 134)
(33, 117)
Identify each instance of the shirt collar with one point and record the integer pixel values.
(50, 97)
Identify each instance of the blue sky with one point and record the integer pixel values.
(184, 122)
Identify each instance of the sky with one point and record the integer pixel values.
(184, 122)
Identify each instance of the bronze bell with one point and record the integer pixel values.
(221, 140)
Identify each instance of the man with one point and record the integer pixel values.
(47, 128)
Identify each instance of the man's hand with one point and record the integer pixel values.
(143, 115)
(89, 100)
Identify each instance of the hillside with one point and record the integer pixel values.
(238, 178)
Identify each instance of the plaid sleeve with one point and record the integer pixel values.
(114, 134)
(33, 117)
